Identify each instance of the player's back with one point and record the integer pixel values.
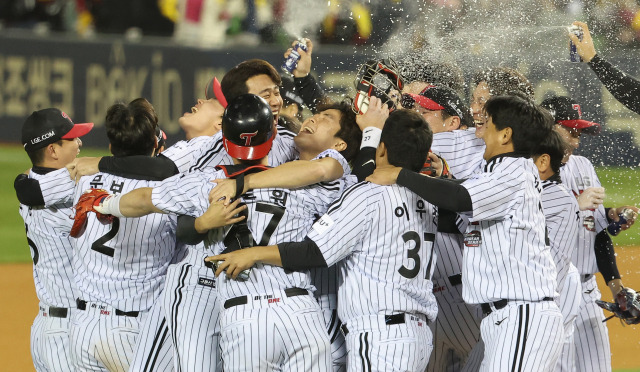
(51, 250)
(387, 233)
(562, 220)
(578, 174)
(123, 263)
(461, 149)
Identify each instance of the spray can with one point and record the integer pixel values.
(243, 275)
(614, 228)
(573, 52)
(291, 62)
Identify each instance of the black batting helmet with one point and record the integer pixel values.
(247, 127)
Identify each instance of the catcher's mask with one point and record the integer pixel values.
(247, 127)
(376, 78)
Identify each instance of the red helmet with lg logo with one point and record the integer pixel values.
(247, 127)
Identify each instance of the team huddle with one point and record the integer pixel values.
(399, 231)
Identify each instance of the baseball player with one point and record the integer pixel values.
(116, 281)
(385, 291)
(51, 140)
(457, 327)
(507, 265)
(595, 250)
(319, 134)
(562, 221)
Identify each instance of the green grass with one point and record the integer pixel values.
(13, 160)
(622, 185)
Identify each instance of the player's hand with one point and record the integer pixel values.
(435, 165)
(83, 167)
(376, 114)
(233, 263)
(591, 198)
(585, 48)
(304, 64)
(385, 175)
(614, 214)
(219, 215)
(225, 189)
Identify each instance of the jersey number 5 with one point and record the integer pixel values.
(414, 254)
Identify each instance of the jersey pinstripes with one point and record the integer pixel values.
(57, 187)
(578, 174)
(51, 251)
(562, 219)
(461, 149)
(206, 158)
(506, 256)
(383, 238)
(297, 210)
(123, 264)
(183, 153)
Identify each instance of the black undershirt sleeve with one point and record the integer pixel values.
(622, 86)
(139, 167)
(364, 163)
(28, 191)
(433, 189)
(606, 257)
(186, 231)
(310, 91)
(447, 222)
(301, 255)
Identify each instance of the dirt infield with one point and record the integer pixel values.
(19, 307)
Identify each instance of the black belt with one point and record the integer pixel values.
(82, 305)
(57, 312)
(388, 320)
(242, 300)
(586, 277)
(455, 279)
(486, 307)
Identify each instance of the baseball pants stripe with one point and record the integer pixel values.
(50, 343)
(396, 347)
(287, 335)
(154, 351)
(191, 302)
(455, 332)
(338, 345)
(591, 336)
(522, 337)
(103, 341)
(569, 302)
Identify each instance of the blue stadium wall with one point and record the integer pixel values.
(84, 77)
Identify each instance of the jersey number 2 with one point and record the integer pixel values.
(414, 254)
(99, 246)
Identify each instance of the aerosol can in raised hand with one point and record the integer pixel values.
(573, 52)
(614, 228)
(291, 62)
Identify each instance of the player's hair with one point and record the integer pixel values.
(416, 67)
(554, 146)
(504, 80)
(530, 124)
(132, 128)
(349, 131)
(407, 137)
(37, 156)
(234, 82)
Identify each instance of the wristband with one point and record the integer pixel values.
(110, 205)
(370, 137)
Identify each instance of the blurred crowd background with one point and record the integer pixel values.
(221, 23)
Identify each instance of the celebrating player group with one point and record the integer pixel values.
(398, 230)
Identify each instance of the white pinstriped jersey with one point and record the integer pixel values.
(462, 151)
(57, 188)
(208, 157)
(51, 250)
(275, 215)
(123, 264)
(449, 251)
(505, 255)
(183, 153)
(382, 237)
(578, 174)
(563, 218)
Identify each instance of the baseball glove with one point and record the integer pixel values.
(429, 170)
(85, 204)
(626, 307)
